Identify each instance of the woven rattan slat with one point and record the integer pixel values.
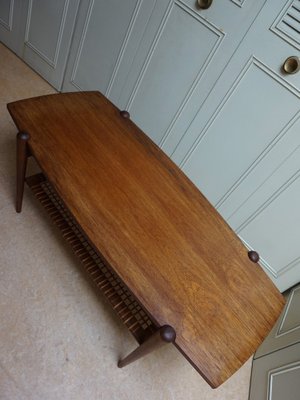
(106, 281)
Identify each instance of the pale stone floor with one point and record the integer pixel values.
(58, 339)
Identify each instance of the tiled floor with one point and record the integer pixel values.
(58, 339)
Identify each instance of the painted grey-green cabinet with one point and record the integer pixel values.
(158, 59)
(106, 39)
(13, 23)
(49, 29)
(183, 52)
(40, 32)
(276, 365)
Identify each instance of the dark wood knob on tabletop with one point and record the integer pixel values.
(253, 255)
(167, 334)
(125, 114)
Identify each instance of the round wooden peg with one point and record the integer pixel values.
(125, 114)
(167, 334)
(23, 136)
(253, 255)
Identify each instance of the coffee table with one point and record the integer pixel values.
(164, 258)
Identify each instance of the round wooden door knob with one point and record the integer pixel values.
(253, 255)
(125, 114)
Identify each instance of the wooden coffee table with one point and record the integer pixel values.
(163, 257)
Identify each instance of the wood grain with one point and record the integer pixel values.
(153, 226)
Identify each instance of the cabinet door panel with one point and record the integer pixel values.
(45, 42)
(97, 54)
(172, 68)
(12, 24)
(182, 53)
(240, 129)
(49, 27)
(6, 14)
(105, 40)
(276, 376)
(157, 59)
(286, 331)
(276, 365)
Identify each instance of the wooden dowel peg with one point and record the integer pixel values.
(125, 114)
(253, 255)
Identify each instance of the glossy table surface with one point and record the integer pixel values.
(166, 242)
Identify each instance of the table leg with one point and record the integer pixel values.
(166, 334)
(22, 155)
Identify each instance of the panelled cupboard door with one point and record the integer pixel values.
(49, 28)
(276, 365)
(287, 329)
(243, 147)
(106, 37)
(181, 54)
(12, 23)
(276, 376)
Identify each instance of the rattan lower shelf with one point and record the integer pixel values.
(122, 301)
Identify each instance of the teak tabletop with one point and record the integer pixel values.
(170, 247)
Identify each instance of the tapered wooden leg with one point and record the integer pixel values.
(22, 155)
(166, 334)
